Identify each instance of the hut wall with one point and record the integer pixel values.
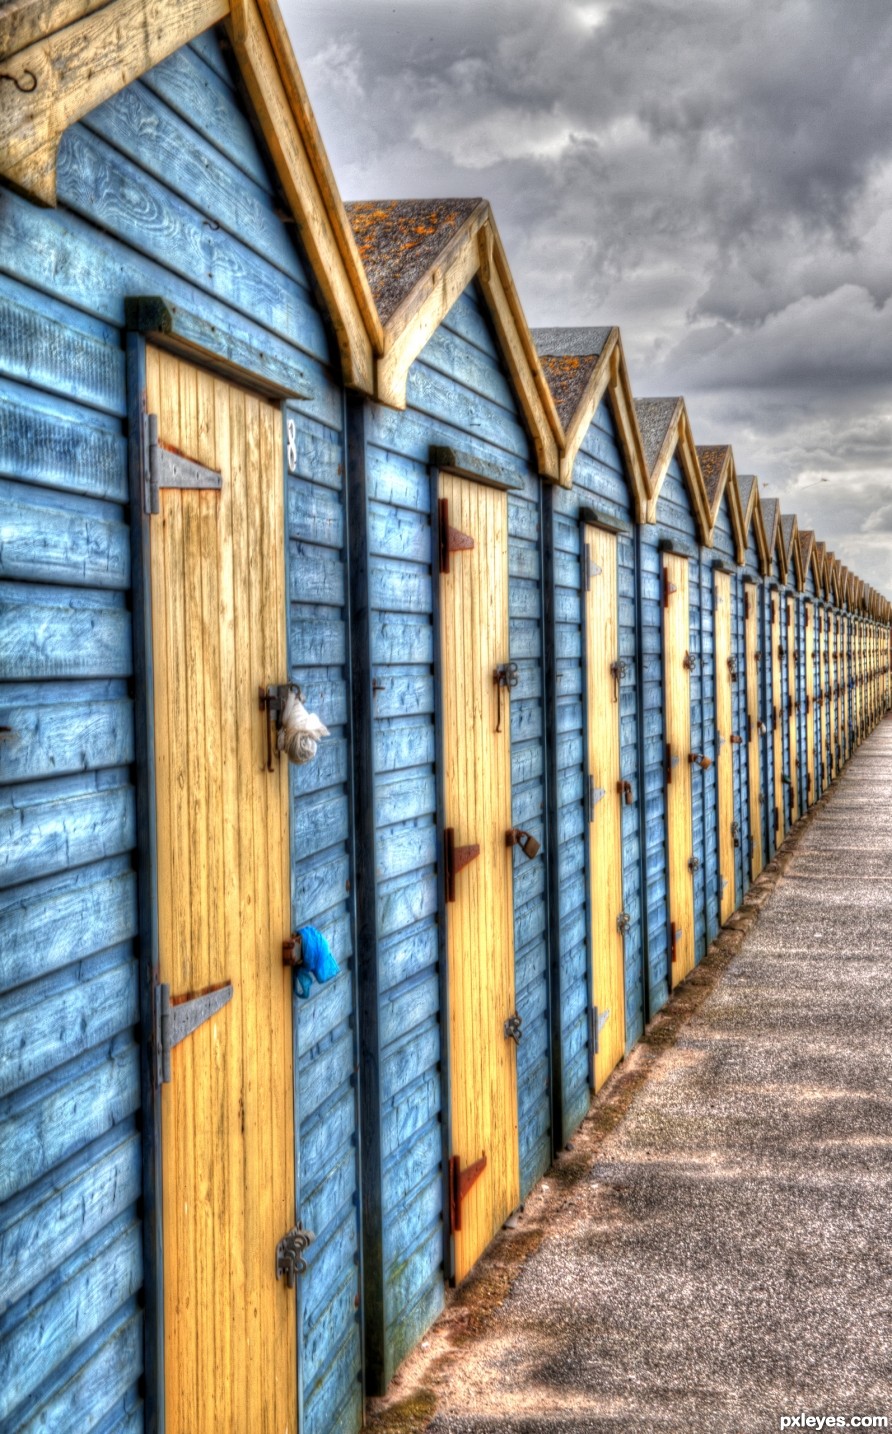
(750, 819)
(458, 395)
(162, 190)
(598, 480)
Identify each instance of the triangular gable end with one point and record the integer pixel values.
(754, 518)
(581, 366)
(720, 479)
(789, 531)
(806, 547)
(420, 256)
(72, 68)
(820, 568)
(665, 430)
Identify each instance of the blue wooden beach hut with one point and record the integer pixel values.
(450, 705)
(180, 294)
(810, 649)
(596, 873)
(674, 738)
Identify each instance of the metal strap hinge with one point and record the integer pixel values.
(594, 796)
(460, 1182)
(174, 1022)
(165, 469)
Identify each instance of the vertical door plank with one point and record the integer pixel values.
(792, 704)
(679, 818)
(753, 748)
(480, 922)
(775, 642)
(724, 749)
(811, 716)
(604, 825)
(218, 598)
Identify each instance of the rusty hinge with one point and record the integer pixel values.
(460, 1182)
(674, 938)
(747, 603)
(451, 540)
(776, 817)
(669, 764)
(456, 858)
(807, 705)
(590, 569)
(668, 588)
(174, 1021)
(594, 796)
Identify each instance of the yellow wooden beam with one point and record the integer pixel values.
(24, 21)
(64, 75)
(273, 82)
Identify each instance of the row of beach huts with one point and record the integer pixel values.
(579, 677)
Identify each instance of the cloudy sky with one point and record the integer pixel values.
(715, 176)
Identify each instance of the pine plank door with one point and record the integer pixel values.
(792, 707)
(833, 689)
(677, 720)
(476, 721)
(811, 714)
(753, 744)
(227, 1115)
(775, 647)
(824, 696)
(604, 800)
(724, 748)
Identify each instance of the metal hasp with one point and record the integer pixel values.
(698, 759)
(668, 588)
(174, 1022)
(624, 923)
(594, 796)
(460, 1182)
(456, 858)
(590, 569)
(689, 662)
(451, 540)
(506, 677)
(625, 791)
(512, 1028)
(166, 469)
(675, 934)
(735, 833)
(293, 950)
(597, 1020)
(516, 836)
(732, 667)
(289, 1254)
(693, 863)
(618, 671)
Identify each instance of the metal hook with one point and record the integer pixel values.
(25, 89)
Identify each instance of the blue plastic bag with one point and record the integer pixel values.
(317, 961)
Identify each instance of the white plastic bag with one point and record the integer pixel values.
(300, 732)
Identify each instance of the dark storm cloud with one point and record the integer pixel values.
(715, 177)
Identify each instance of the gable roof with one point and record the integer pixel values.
(665, 430)
(580, 365)
(819, 563)
(420, 255)
(754, 518)
(80, 54)
(720, 481)
(806, 550)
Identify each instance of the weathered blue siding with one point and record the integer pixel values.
(458, 395)
(599, 480)
(161, 191)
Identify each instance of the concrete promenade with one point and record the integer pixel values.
(715, 1252)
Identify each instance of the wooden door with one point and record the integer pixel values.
(227, 1115)
(724, 728)
(833, 690)
(823, 635)
(753, 744)
(811, 714)
(844, 685)
(604, 800)
(677, 720)
(480, 919)
(775, 645)
(792, 705)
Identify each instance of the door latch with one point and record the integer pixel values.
(272, 702)
(624, 923)
(618, 669)
(525, 840)
(512, 1028)
(735, 833)
(289, 1254)
(505, 676)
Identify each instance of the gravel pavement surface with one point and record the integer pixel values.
(721, 1256)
